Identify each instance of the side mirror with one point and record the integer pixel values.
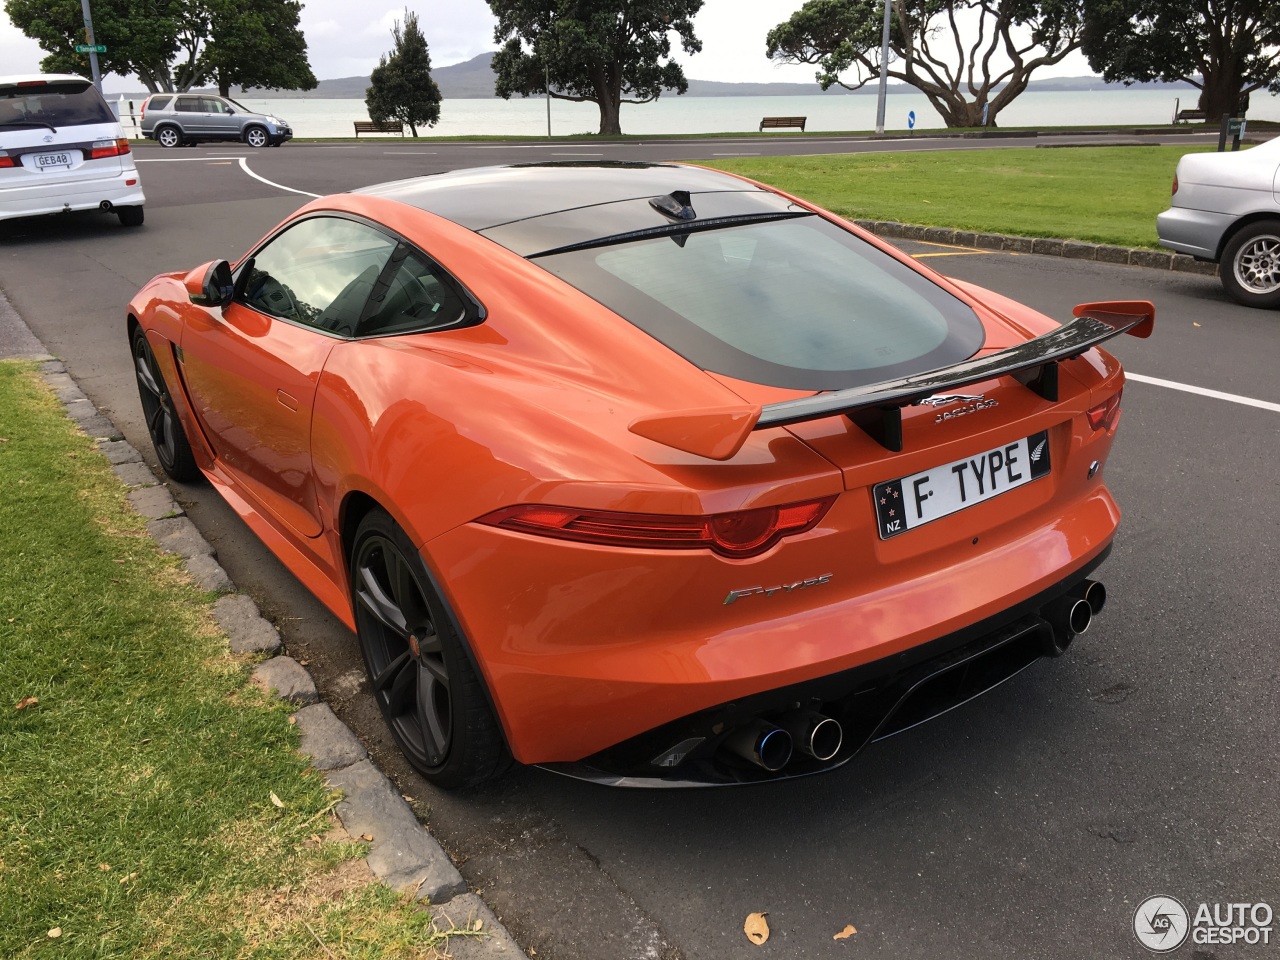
(210, 285)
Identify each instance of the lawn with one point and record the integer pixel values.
(1096, 194)
(141, 773)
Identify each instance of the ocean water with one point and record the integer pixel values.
(693, 115)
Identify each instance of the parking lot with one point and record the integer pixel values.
(1029, 823)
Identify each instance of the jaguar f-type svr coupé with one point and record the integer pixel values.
(644, 473)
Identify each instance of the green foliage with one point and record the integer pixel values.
(1227, 48)
(175, 44)
(1094, 194)
(991, 61)
(400, 87)
(136, 810)
(257, 43)
(606, 52)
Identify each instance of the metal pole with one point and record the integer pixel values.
(883, 90)
(88, 38)
(546, 72)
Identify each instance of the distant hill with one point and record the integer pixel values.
(473, 80)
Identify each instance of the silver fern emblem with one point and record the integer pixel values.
(1035, 454)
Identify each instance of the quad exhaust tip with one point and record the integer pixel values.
(1070, 616)
(772, 745)
(762, 743)
(813, 734)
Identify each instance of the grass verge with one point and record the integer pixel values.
(136, 810)
(1095, 194)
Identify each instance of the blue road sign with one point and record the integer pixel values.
(911, 120)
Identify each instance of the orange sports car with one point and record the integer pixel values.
(643, 473)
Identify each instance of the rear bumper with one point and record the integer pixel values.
(37, 199)
(1198, 233)
(871, 702)
(586, 648)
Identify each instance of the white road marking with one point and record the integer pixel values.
(180, 159)
(1205, 392)
(244, 165)
(409, 153)
(577, 154)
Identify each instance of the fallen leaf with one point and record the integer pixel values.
(407, 798)
(1194, 324)
(55, 933)
(293, 721)
(4, 439)
(104, 866)
(478, 924)
(276, 801)
(846, 933)
(26, 702)
(756, 928)
(366, 837)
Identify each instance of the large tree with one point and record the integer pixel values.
(401, 87)
(175, 44)
(257, 43)
(606, 52)
(1226, 48)
(956, 52)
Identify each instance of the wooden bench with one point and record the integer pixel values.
(1186, 116)
(775, 123)
(387, 126)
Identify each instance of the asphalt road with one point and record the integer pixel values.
(1029, 823)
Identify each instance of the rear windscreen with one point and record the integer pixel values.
(57, 105)
(797, 303)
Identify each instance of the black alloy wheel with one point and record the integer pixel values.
(163, 426)
(419, 672)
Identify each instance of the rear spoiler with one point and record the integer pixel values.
(719, 434)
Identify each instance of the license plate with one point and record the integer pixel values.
(45, 160)
(913, 501)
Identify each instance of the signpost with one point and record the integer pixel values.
(91, 46)
(911, 122)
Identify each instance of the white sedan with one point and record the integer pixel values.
(1226, 208)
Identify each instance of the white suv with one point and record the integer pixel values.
(62, 149)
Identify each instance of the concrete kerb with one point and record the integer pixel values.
(402, 854)
(1071, 249)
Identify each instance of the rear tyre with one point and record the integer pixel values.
(163, 426)
(256, 137)
(419, 670)
(1251, 265)
(130, 216)
(169, 137)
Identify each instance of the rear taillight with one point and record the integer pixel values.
(108, 148)
(743, 533)
(1105, 414)
(8, 161)
(1175, 183)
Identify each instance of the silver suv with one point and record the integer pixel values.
(173, 119)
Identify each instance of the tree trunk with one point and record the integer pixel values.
(1221, 96)
(610, 117)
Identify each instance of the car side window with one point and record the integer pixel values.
(413, 295)
(188, 105)
(159, 103)
(211, 105)
(319, 273)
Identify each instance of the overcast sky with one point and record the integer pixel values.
(345, 39)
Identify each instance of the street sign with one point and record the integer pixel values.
(91, 48)
(911, 120)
